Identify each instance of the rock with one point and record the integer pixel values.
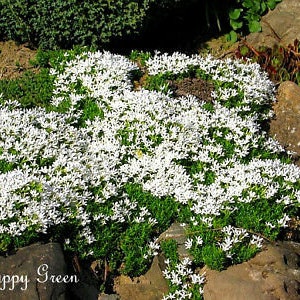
(26, 274)
(177, 233)
(108, 297)
(151, 286)
(279, 26)
(272, 274)
(89, 280)
(286, 125)
(84, 290)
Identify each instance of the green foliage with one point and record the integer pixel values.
(58, 58)
(242, 252)
(169, 249)
(90, 110)
(140, 57)
(234, 16)
(133, 245)
(46, 59)
(157, 83)
(64, 23)
(164, 209)
(32, 89)
(5, 241)
(213, 257)
(6, 166)
(245, 16)
(254, 217)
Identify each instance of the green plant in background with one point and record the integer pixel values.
(65, 23)
(245, 16)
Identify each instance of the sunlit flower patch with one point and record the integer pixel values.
(111, 167)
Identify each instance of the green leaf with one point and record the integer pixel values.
(235, 13)
(271, 4)
(254, 26)
(249, 3)
(236, 24)
(264, 6)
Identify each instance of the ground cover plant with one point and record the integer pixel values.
(63, 24)
(56, 24)
(107, 164)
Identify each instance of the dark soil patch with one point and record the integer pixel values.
(194, 86)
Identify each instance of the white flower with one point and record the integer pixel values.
(188, 243)
(257, 241)
(269, 224)
(199, 240)
(197, 279)
(284, 221)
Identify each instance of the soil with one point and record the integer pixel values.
(193, 86)
(15, 59)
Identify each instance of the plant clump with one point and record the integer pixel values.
(281, 63)
(65, 23)
(105, 168)
(246, 14)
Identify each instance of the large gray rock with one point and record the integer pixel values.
(286, 125)
(34, 272)
(272, 274)
(279, 26)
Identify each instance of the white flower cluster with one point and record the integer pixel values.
(237, 235)
(183, 277)
(153, 249)
(234, 179)
(246, 78)
(189, 242)
(102, 74)
(42, 146)
(53, 166)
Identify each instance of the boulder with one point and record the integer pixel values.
(151, 286)
(34, 272)
(177, 233)
(279, 26)
(108, 297)
(286, 125)
(272, 274)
